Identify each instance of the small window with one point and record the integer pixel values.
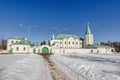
(97, 51)
(76, 42)
(24, 49)
(73, 42)
(65, 42)
(69, 42)
(11, 41)
(17, 48)
(91, 51)
(60, 42)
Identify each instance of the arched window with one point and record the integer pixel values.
(69, 42)
(73, 42)
(80, 43)
(112, 50)
(24, 49)
(17, 49)
(65, 42)
(11, 41)
(60, 42)
(76, 42)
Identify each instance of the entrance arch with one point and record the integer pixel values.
(45, 50)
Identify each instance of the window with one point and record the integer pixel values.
(73, 42)
(91, 51)
(76, 42)
(69, 42)
(11, 41)
(60, 42)
(24, 49)
(17, 48)
(80, 43)
(65, 42)
(97, 51)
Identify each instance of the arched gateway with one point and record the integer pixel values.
(45, 50)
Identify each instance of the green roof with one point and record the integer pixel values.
(18, 38)
(24, 42)
(88, 30)
(101, 46)
(62, 36)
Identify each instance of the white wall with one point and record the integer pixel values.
(96, 51)
(66, 43)
(21, 48)
(88, 39)
(37, 48)
(9, 42)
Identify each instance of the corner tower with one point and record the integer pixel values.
(88, 38)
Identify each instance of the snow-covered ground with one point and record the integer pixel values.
(90, 66)
(22, 67)
(80, 66)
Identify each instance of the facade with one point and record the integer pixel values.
(62, 43)
(66, 41)
(18, 45)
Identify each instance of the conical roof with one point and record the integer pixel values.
(88, 31)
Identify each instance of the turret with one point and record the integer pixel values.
(53, 36)
(88, 39)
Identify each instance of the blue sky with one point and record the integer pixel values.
(103, 16)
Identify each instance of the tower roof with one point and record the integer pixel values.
(88, 31)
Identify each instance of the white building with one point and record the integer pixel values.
(66, 41)
(18, 45)
(63, 43)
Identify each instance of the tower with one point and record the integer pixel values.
(88, 38)
(53, 36)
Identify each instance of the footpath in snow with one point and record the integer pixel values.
(54, 71)
(90, 66)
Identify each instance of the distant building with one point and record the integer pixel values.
(62, 43)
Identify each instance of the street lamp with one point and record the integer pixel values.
(28, 31)
(60, 31)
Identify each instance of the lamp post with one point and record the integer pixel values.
(28, 31)
(60, 31)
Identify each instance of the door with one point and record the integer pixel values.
(45, 50)
(34, 50)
